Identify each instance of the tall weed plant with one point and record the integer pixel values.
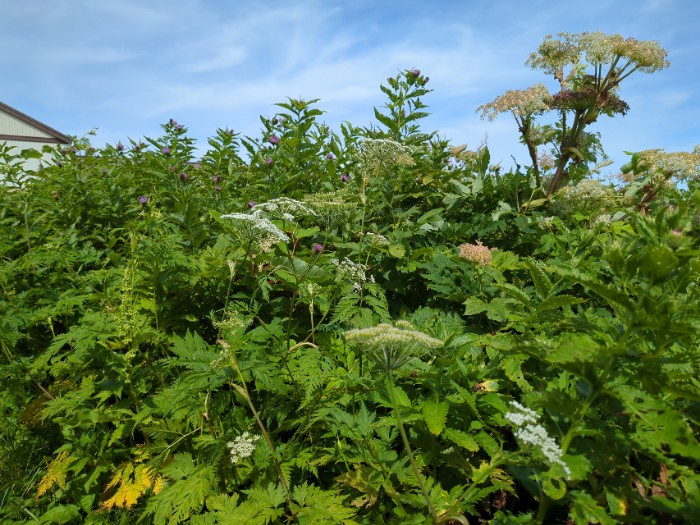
(369, 326)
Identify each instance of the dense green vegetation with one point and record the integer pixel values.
(364, 326)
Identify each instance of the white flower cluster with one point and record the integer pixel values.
(352, 272)
(284, 208)
(530, 432)
(251, 227)
(242, 447)
(376, 239)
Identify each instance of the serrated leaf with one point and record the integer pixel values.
(516, 293)
(435, 415)
(474, 306)
(558, 301)
(462, 439)
(498, 310)
(542, 283)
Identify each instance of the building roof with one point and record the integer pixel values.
(28, 129)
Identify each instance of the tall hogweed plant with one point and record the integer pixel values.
(370, 326)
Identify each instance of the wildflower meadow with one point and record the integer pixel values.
(367, 325)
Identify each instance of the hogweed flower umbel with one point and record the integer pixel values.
(521, 102)
(392, 346)
(242, 447)
(285, 208)
(476, 253)
(252, 228)
(530, 433)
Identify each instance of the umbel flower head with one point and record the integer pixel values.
(376, 154)
(392, 346)
(285, 208)
(251, 228)
(522, 103)
(476, 253)
(242, 447)
(679, 165)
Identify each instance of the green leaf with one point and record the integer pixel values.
(474, 306)
(586, 510)
(397, 250)
(435, 415)
(516, 293)
(462, 439)
(542, 283)
(558, 301)
(498, 309)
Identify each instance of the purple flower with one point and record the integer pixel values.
(318, 248)
(672, 208)
(143, 200)
(268, 161)
(216, 178)
(183, 176)
(677, 232)
(179, 127)
(345, 177)
(165, 150)
(217, 189)
(415, 72)
(330, 156)
(273, 139)
(74, 150)
(172, 122)
(251, 204)
(425, 81)
(120, 146)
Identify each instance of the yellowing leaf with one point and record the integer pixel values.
(131, 483)
(55, 474)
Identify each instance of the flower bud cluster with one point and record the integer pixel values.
(476, 253)
(678, 165)
(374, 154)
(521, 102)
(392, 346)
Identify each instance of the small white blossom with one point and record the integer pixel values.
(530, 432)
(242, 447)
(350, 272)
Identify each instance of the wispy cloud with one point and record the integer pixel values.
(126, 66)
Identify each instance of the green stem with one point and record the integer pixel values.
(409, 452)
(243, 391)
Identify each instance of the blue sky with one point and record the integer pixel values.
(125, 67)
